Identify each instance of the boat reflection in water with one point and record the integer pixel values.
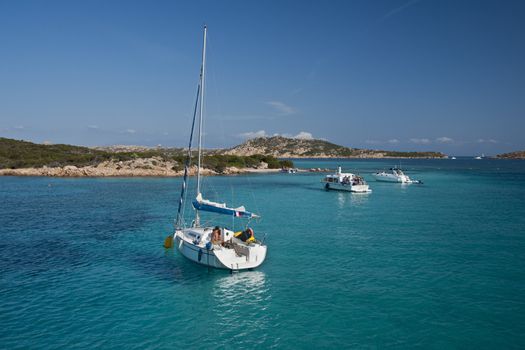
(240, 304)
(354, 199)
(229, 287)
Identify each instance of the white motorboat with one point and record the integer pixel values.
(345, 182)
(453, 158)
(394, 175)
(480, 157)
(213, 246)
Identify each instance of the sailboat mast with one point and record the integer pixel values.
(201, 111)
(200, 120)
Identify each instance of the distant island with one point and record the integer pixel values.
(512, 155)
(283, 147)
(23, 158)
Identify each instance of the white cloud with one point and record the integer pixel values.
(393, 141)
(281, 107)
(487, 141)
(253, 134)
(93, 127)
(130, 131)
(303, 135)
(444, 139)
(423, 141)
(18, 127)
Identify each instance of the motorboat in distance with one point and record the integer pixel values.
(345, 182)
(395, 175)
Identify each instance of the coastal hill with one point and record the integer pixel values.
(27, 158)
(260, 154)
(512, 155)
(284, 147)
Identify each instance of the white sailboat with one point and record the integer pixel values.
(213, 246)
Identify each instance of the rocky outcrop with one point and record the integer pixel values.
(284, 147)
(512, 155)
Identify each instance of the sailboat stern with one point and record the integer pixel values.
(195, 244)
(241, 256)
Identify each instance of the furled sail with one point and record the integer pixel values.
(205, 205)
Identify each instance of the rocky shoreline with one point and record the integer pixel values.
(512, 155)
(142, 167)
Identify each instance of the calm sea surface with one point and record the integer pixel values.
(439, 265)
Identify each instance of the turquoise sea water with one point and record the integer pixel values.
(439, 265)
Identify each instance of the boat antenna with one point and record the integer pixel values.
(202, 76)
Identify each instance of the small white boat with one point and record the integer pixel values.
(213, 246)
(289, 170)
(345, 182)
(453, 158)
(395, 175)
(480, 157)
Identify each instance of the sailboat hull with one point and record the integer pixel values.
(241, 257)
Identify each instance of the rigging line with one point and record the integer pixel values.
(256, 204)
(211, 86)
(213, 77)
(210, 186)
(213, 74)
(186, 166)
(191, 153)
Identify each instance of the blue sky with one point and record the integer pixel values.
(386, 74)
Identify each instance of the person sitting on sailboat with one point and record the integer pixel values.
(216, 235)
(246, 235)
